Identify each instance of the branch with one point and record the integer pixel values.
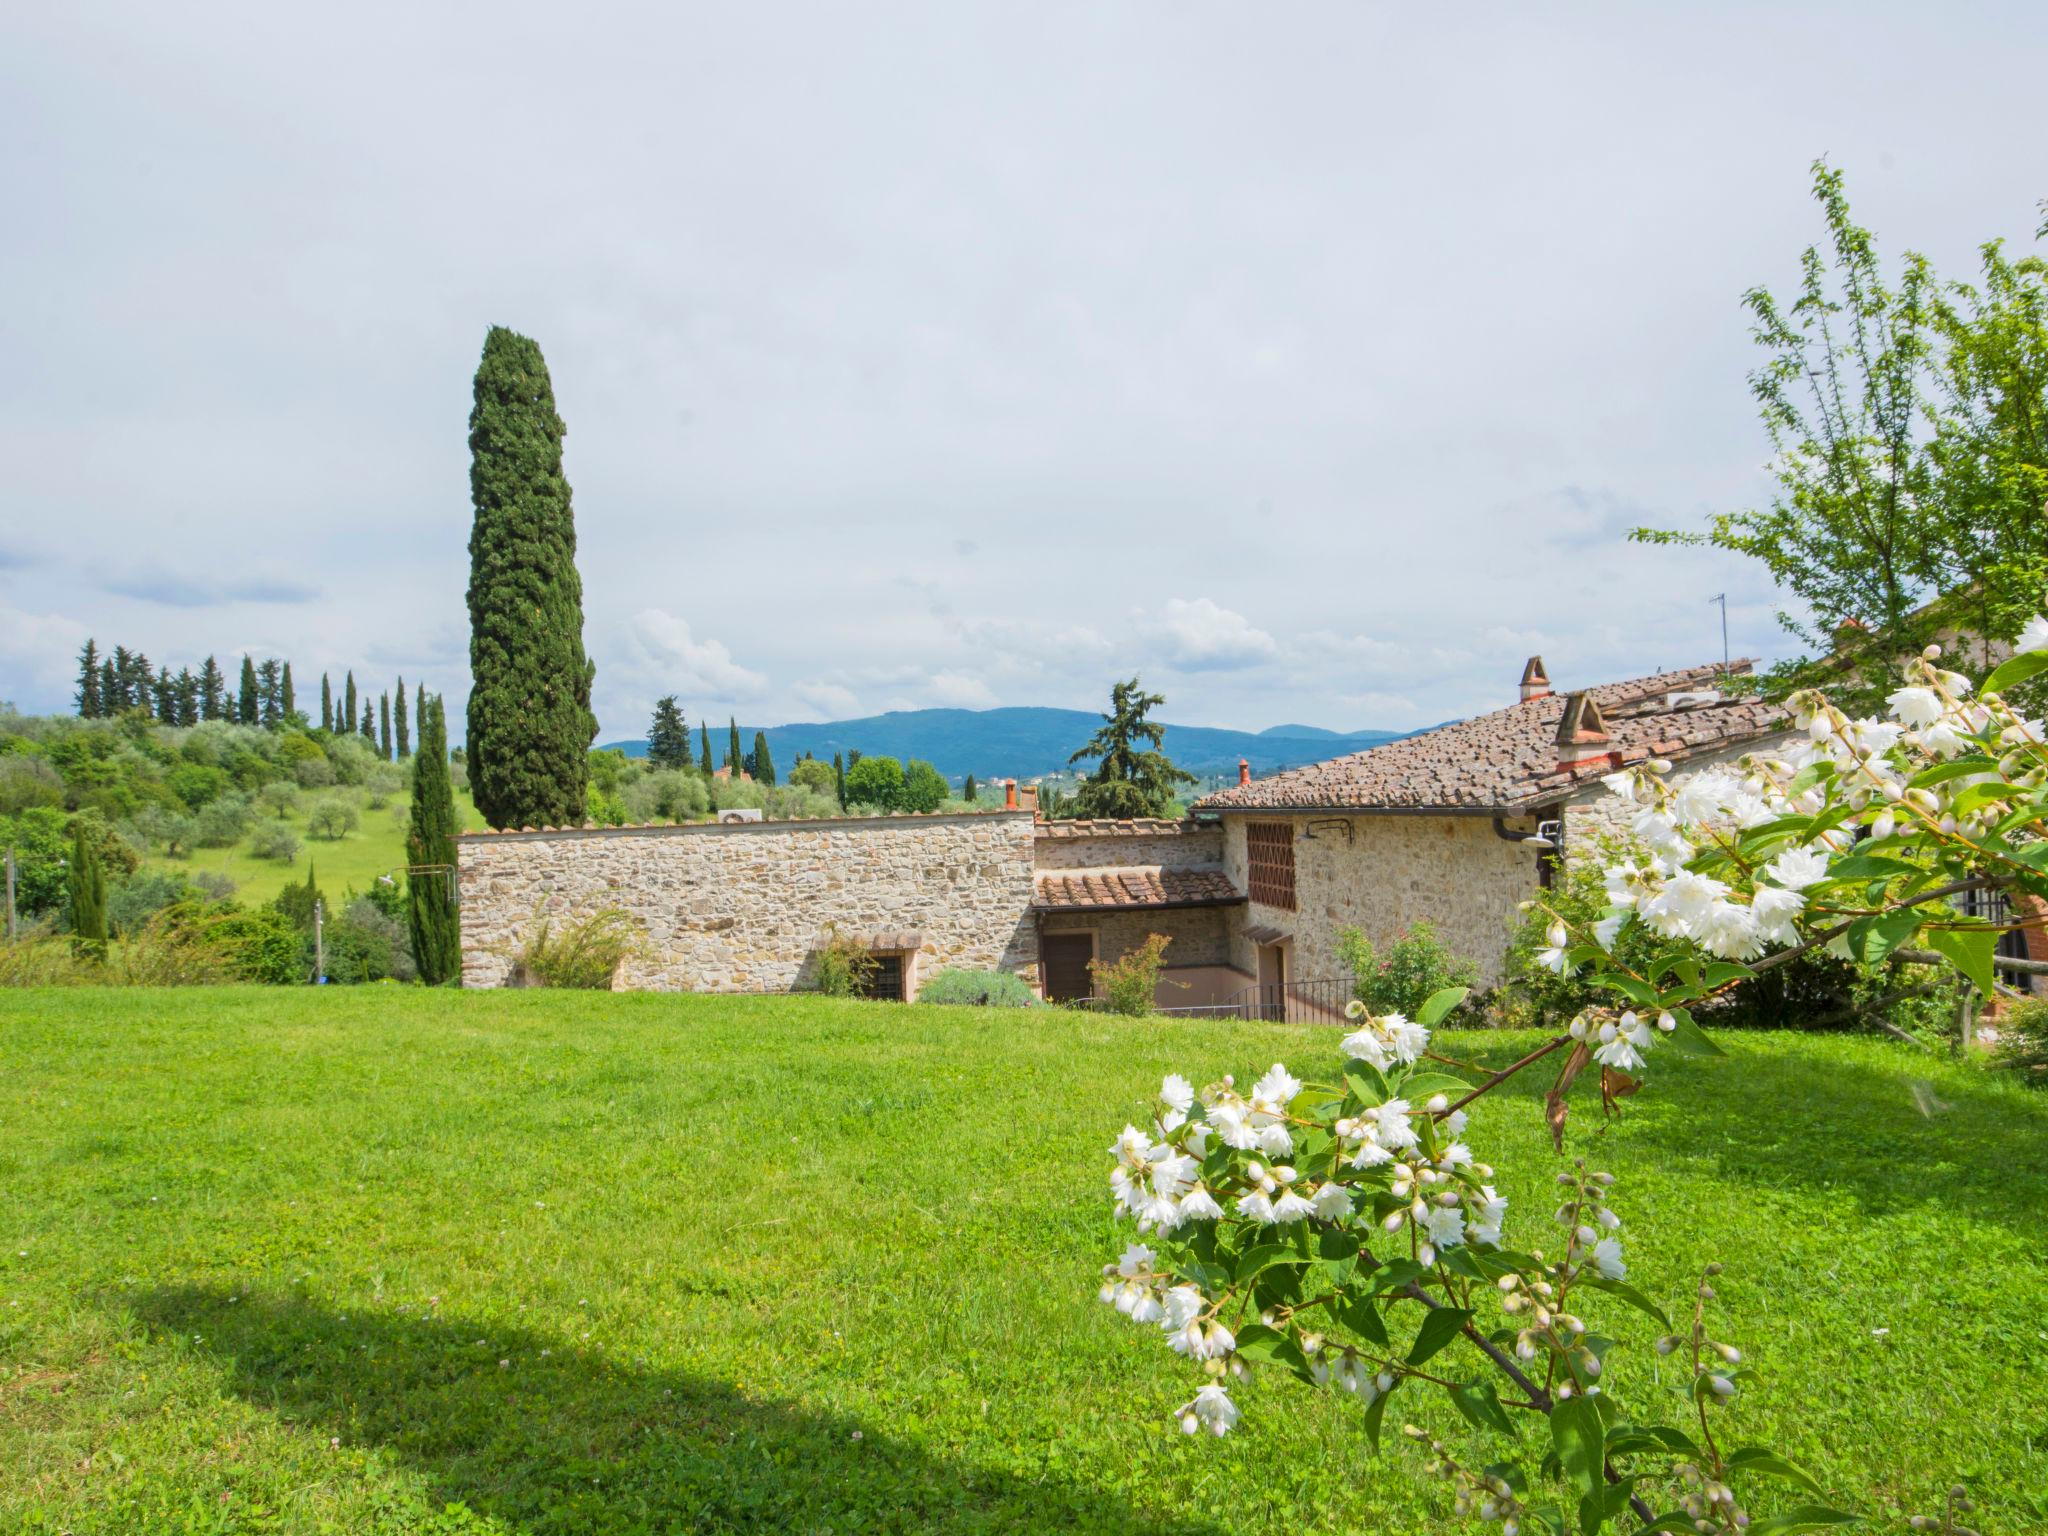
(1783, 956)
(1505, 1073)
(2003, 962)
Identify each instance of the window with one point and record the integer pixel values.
(885, 981)
(1269, 860)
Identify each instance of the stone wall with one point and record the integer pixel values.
(1390, 872)
(1129, 844)
(1199, 934)
(744, 908)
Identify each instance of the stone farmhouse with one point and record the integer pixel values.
(1457, 825)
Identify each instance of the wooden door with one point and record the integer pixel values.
(1063, 958)
(1272, 981)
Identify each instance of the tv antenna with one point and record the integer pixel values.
(1722, 599)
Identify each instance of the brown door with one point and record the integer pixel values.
(1064, 958)
(1272, 982)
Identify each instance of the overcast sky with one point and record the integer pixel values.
(1310, 361)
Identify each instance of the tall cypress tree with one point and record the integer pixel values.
(369, 727)
(530, 725)
(419, 706)
(384, 726)
(270, 692)
(764, 765)
(213, 691)
(668, 738)
(704, 748)
(163, 694)
(287, 695)
(430, 855)
(87, 878)
(326, 703)
(734, 758)
(110, 688)
(248, 701)
(969, 790)
(346, 721)
(399, 724)
(839, 777)
(88, 692)
(188, 697)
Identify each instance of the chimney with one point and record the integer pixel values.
(1535, 681)
(1009, 794)
(1028, 796)
(1244, 771)
(1582, 734)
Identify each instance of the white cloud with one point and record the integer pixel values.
(956, 690)
(1199, 635)
(41, 649)
(828, 701)
(676, 661)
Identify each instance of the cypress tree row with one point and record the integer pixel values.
(326, 703)
(530, 725)
(188, 697)
(398, 722)
(420, 712)
(87, 879)
(249, 702)
(764, 765)
(384, 726)
(430, 855)
(269, 693)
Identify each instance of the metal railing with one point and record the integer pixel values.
(1294, 1002)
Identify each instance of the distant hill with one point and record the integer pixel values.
(1026, 742)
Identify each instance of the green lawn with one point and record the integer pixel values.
(376, 848)
(388, 1260)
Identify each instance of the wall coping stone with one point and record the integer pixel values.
(745, 828)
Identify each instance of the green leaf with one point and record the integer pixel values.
(1376, 1411)
(1439, 1006)
(1721, 972)
(1805, 1517)
(1873, 938)
(1254, 1261)
(1954, 768)
(1364, 1079)
(1392, 1277)
(1870, 866)
(2017, 670)
(1362, 1318)
(1649, 1437)
(1629, 1294)
(1629, 987)
(1269, 1346)
(1687, 1038)
(1580, 1441)
(1420, 1087)
(1479, 1403)
(1977, 796)
(1756, 1458)
(1438, 1329)
(1970, 949)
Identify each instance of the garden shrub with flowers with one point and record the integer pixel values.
(1346, 1233)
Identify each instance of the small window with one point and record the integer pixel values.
(885, 980)
(1269, 851)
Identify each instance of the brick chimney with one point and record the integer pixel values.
(1009, 794)
(1535, 681)
(1582, 734)
(1028, 797)
(1244, 771)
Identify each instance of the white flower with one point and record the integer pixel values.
(1622, 784)
(1774, 910)
(1916, 706)
(1446, 1224)
(1276, 1088)
(1390, 1037)
(1607, 1258)
(1256, 1205)
(1212, 1410)
(1199, 1205)
(1291, 1206)
(1619, 1053)
(1332, 1203)
(1608, 929)
(1551, 959)
(1456, 1155)
(1390, 1125)
(1487, 1213)
(1797, 868)
(1729, 931)
(2034, 637)
(1178, 1095)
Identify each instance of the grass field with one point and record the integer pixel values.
(391, 1260)
(376, 848)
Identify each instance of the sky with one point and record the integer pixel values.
(1309, 361)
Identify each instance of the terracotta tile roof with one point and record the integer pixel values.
(1139, 826)
(1509, 759)
(1136, 888)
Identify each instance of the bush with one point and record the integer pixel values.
(314, 773)
(981, 989)
(2023, 1039)
(260, 946)
(213, 885)
(1129, 984)
(875, 781)
(924, 787)
(586, 953)
(141, 897)
(351, 757)
(332, 819)
(815, 776)
(1415, 967)
(26, 782)
(224, 822)
(275, 840)
(196, 784)
(278, 798)
(840, 967)
(368, 944)
(667, 794)
(41, 843)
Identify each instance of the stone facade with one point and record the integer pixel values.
(1142, 844)
(744, 908)
(1387, 873)
(1200, 934)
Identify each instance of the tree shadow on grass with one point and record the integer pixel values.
(564, 1440)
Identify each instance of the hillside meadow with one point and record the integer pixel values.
(395, 1260)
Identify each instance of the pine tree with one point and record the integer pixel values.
(248, 703)
(163, 695)
(530, 725)
(110, 688)
(704, 748)
(734, 758)
(287, 695)
(369, 726)
(764, 765)
(188, 697)
(1132, 776)
(668, 737)
(213, 691)
(969, 790)
(87, 878)
(839, 778)
(269, 693)
(87, 695)
(326, 703)
(384, 726)
(430, 855)
(346, 721)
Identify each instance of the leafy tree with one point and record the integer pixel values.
(399, 723)
(1909, 422)
(213, 691)
(384, 726)
(924, 787)
(875, 781)
(530, 725)
(88, 890)
(326, 703)
(668, 738)
(815, 776)
(762, 764)
(970, 791)
(332, 819)
(296, 903)
(1132, 776)
(430, 857)
(734, 759)
(349, 714)
(288, 699)
(87, 695)
(704, 748)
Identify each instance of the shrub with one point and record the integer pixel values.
(332, 819)
(351, 757)
(667, 794)
(278, 798)
(840, 967)
(38, 960)
(586, 953)
(981, 989)
(213, 885)
(875, 781)
(41, 844)
(924, 787)
(815, 776)
(260, 945)
(141, 897)
(314, 773)
(168, 950)
(2023, 1039)
(367, 944)
(196, 783)
(1129, 984)
(26, 782)
(275, 840)
(170, 830)
(224, 822)
(1414, 969)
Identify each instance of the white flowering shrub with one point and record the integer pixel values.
(1345, 1232)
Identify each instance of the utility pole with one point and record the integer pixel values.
(1722, 599)
(319, 944)
(13, 930)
